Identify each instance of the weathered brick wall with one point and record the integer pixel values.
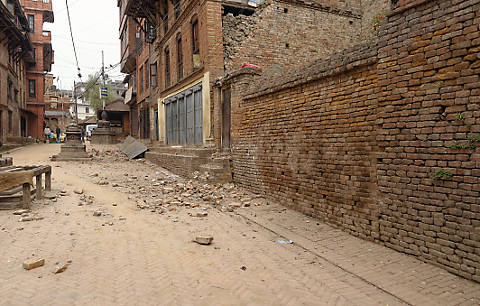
(289, 33)
(381, 140)
(313, 145)
(429, 82)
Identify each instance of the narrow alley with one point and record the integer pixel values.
(140, 250)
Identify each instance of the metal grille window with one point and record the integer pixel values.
(184, 117)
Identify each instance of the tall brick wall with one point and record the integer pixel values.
(382, 140)
(428, 72)
(289, 33)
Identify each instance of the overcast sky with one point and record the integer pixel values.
(95, 28)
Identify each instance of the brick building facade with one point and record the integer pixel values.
(37, 13)
(381, 140)
(15, 56)
(198, 41)
(139, 62)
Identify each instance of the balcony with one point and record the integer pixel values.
(129, 61)
(142, 9)
(47, 57)
(48, 16)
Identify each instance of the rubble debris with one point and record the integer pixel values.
(132, 148)
(21, 212)
(78, 191)
(97, 213)
(201, 214)
(243, 268)
(285, 241)
(122, 218)
(33, 263)
(235, 204)
(60, 268)
(203, 240)
(50, 195)
(28, 218)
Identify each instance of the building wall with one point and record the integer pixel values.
(38, 38)
(382, 140)
(11, 104)
(288, 33)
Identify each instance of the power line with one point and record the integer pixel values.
(73, 41)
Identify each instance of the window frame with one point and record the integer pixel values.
(167, 68)
(153, 75)
(179, 58)
(32, 94)
(195, 38)
(31, 22)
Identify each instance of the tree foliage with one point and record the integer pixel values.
(92, 92)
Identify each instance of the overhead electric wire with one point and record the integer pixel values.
(73, 41)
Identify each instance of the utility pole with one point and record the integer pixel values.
(75, 99)
(103, 76)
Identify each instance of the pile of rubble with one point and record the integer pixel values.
(108, 154)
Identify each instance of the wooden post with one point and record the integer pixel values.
(48, 180)
(26, 196)
(39, 187)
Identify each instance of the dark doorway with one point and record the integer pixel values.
(145, 123)
(226, 118)
(134, 122)
(155, 120)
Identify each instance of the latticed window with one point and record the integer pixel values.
(167, 67)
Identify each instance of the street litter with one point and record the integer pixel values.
(204, 240)
(285, 242)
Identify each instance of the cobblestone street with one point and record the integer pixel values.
(135, 256)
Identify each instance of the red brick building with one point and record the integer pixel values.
(37, 13)
(138, 56)
(15, 56)
(198, 41)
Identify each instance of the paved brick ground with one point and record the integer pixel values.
(149, 258)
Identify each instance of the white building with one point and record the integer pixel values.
(84, 110)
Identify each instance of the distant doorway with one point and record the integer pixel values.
(23, 126)
(226, 117)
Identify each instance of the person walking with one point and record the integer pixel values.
(46, 132)
(58, 134)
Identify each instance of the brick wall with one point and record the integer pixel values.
(382, 140)
(429, 81)
(289, 33)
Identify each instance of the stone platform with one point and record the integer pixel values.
(186, 162)
(73, 149)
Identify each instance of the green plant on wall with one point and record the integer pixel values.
(379, 19)
(459, 117)
(442, 175)
(474, 139)
(462, 146)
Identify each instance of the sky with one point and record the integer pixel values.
(95, 28)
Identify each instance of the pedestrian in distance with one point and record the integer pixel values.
(58, 134)
(46, 132)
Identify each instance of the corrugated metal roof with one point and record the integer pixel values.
(55, 113)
